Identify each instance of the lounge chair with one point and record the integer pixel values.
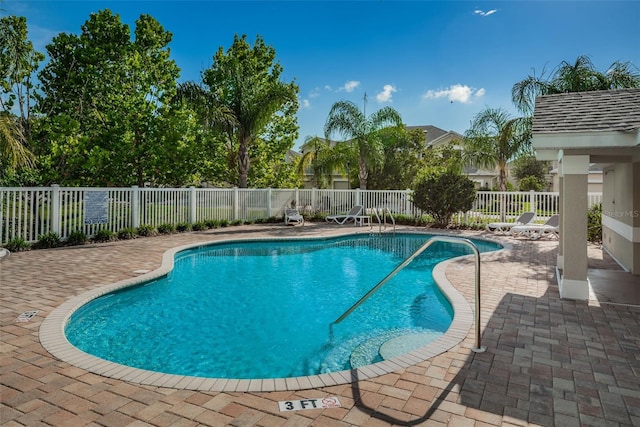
(350, 216)
(506, 227)
(536, 231)
(292, 216)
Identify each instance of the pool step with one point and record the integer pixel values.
(390, 344)
(369, 351)
(406, 343)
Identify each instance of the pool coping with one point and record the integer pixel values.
(53, 338)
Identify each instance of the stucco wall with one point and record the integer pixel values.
(621, 213)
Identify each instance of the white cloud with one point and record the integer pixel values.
(386, 94)
(482, 13)
(306, 104)
(457, 93)
(314, 93)
(349, 86)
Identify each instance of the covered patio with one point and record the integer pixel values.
(579, 130)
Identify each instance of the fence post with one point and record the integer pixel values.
(532, 200)
(269, 205)
(408, 202)
(135, 206)
(235, 203)
(358, 197)
(314, 199)
(193, 205)
(55, 208)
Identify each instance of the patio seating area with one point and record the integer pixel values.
(549, 361)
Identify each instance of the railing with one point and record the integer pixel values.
(478, 347)
(29, 212)
(383, 221)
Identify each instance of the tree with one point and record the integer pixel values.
(106, 99)
(361, 132)
(272, 164)
(494, 139)
(246, 82)
(581, 76)
(13, 152)
(444, 157)
(403, 154)
(18, 62)
(323, 158)
(530, 173)
(441, 193)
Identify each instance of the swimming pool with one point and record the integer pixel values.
(262, 309)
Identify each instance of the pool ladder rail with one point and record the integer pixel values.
(459, 240)
(383, 221)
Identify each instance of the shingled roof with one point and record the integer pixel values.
(597, 111)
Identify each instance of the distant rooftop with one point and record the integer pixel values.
(597, 111)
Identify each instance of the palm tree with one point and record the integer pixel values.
(361, 132)
(581, 76)
(13, 152)
(494, 139)
(323, 159)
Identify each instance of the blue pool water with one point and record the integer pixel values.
(263, 309)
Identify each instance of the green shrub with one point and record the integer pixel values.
(147, 231)
(594, 224)
(212, 223)
(17, 244)
(182, 227)
(48, 240)
(236, 222)
(224, 223)
(199, 226)
(127, 233)
(105, 235)
(76, 238)
(441, 194)
(166, 228)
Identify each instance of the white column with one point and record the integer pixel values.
(575, 171)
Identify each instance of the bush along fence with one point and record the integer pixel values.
(30, 212)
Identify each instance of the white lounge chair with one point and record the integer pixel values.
(292, 216)
(536, 231)
(350, 216)
(506, 227)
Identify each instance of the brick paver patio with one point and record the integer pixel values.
(548, 362)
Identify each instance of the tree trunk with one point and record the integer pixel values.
(363, 173)
(502, 177)
(243, 162)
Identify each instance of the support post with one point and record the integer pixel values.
(135, 206)
(55, 208)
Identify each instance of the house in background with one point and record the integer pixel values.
(582, 130)
(436, 137)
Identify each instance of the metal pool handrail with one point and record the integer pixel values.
(384, 219)
(478, 348)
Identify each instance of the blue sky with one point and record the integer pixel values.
(436, 62)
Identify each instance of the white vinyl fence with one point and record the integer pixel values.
(28, 213)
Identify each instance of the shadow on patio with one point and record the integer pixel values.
(550, 362)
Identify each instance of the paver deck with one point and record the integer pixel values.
(548, 362)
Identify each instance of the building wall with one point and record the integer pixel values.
(621, 214)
